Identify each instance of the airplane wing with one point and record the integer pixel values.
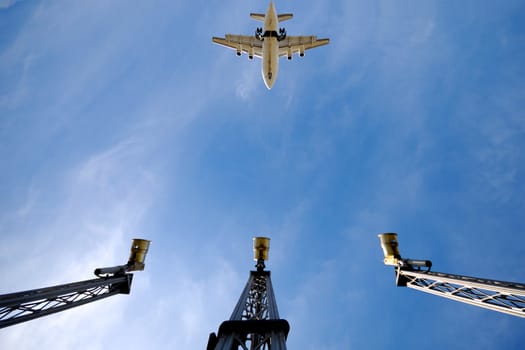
(242, 43)
(292, 44)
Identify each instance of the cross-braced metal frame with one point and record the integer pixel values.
(501, 296)
(254, 323)
(28, 305)
(506, 297)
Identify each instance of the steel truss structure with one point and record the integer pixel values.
(254, 323)
(501, 296)
(506, 297)
(28, 305)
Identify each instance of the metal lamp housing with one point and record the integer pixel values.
(261, 246)
(139, 249)
(390, 248)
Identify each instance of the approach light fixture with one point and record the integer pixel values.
(31, 304)
(261, 246)
(139, 249)
(137, 256)
(390, 247)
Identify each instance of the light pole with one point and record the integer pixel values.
(254, 323)
(501, 296)
(27, 305)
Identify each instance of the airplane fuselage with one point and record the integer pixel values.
(269, 43)
(270, 51)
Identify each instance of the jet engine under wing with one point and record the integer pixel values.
(299, 44)
(242, 43)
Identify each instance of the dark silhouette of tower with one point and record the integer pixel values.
(254, 323)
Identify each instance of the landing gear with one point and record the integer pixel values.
(259, 33)
(282, 34)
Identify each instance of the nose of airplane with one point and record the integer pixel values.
(268, 80)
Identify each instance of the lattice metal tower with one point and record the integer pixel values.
(28, 305)
(501, 296)
(254, 323)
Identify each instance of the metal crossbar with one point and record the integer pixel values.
(24, 306)
(506, 297)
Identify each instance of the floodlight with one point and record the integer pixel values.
(390, 248)
(139, 249)
(261, 246)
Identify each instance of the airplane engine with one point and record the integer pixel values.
(250, 57)
(239, 52)
(250, 54)
(290, 54)
(301, 51)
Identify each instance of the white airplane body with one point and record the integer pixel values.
(270, 44)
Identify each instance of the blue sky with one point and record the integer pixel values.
(122, 120)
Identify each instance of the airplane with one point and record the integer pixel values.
(270, 44)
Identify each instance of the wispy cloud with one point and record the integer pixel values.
(91, 228)
(5, 4)
(142, 125)
(246, 83)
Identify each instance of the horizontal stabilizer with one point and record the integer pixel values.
(258, 16)
(285, 16)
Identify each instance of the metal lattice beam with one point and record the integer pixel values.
(506, 297)
(254, 323)
(256, 303)
(28, 305)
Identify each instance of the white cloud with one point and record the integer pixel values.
(109, 189)
(5, 4)
(106, 199)
(423, 33)
(246, 85)
(190, 303)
